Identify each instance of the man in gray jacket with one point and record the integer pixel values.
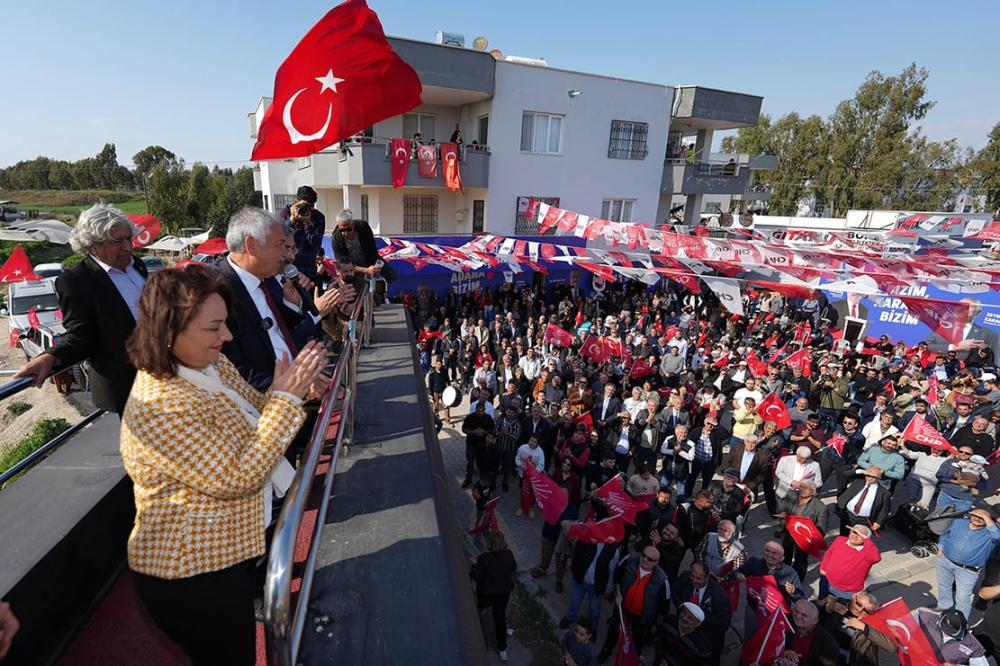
(805, 504)
(671, 366)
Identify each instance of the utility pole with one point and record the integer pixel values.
(145, 195)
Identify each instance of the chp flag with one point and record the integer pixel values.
(554, 335)
(339, 79)
(945, 318)
(609, 530)
(551, 499)
(147, 229)
(487, 522)
(920, 431)
(618, 501)
(768, 643)
(728, 292)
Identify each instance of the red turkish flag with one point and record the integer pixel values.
(15, 336)
(920, 431)
(895, 620)
(641, 369)
(801, 359)
(147, 230)
(17, 268)
(946, 318)
(400, 149)
(339, 79)
(932, 389)
(488, 521)
(772, 408)
(771, 340)
(449, 160)
(890, 389)
(593, 349)
(805, 533)
(613, 348)
(579, 317)
(609, 530)
(33, 318)
(768, 642)
(757, 367)
(723, 360)
(215, 246)
(426, 160)
(551, 499)
(618, 501)
(557, 336)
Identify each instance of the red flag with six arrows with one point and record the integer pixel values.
(488, 521)
(551, 499)
(618, 501)
(609, 530)
(554, 335)
(920, 431)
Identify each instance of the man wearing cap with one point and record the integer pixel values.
(802, 503)
(730, 500)
(681, 640)
(697, 587)
(846, 563)
(949, 636)
(642, 591)
(793, 469)
(963, 551)
(887, 458)
(865, 502)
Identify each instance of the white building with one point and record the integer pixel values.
(599, 145)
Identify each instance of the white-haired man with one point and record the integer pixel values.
(793, 469)
(99, 298)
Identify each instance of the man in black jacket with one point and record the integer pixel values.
(592, 566)
(708, 441)
(99, 299)
(353, 241)
(865, 502)
(641, 601)
(697, 587)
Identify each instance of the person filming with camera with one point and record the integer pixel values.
(308, 226)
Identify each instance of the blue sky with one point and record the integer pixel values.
(184, 73)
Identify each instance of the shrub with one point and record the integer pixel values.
(41, 433)
(18, 408)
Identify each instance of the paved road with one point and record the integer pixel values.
(899, 574)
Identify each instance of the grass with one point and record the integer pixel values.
(41, 433)
(17, 408)
(71, 202)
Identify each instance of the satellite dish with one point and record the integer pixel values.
(480, 43)
(497, 53)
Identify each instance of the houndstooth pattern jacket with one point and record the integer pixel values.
(199, 470)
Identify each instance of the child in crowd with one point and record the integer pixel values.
(976, 466)
(578, 644)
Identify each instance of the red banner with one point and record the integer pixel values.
(147, 231)
(488, 521)
(946, 318)
(895, 620)
(594, 350)
(400, 160)
(554, 335)
(772, 408)
(920, 431)
(449, 159)
(17, 268)
(806, 535)
(551, 499)
(427, 161)
(618, 501)
(609, 530)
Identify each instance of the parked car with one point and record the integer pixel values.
(154, 264)
(48, 270)
(38, 294)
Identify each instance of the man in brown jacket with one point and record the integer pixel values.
(859, 642)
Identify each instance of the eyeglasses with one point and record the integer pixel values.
(650, 559)
(965, 453)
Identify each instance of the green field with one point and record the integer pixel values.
(71, 202)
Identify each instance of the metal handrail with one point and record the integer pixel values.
(283, 624)
(15, 386)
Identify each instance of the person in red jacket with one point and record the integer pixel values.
(846, 563)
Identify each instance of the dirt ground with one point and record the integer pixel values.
(45, 402)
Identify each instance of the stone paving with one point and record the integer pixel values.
(899, 574)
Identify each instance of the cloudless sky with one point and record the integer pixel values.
(184, 73)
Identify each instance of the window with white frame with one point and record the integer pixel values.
(628, 140)
(419, 122)
(420, 213)
(617, 210)
(541, 133)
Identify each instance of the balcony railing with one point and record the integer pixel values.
(707, 168)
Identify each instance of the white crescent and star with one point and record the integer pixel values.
(327, 82)
(405, 152)
(897, 623)
(800, 528)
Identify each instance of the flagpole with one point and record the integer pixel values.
(770, 628)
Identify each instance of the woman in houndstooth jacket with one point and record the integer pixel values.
(203, 449)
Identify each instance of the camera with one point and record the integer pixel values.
(304, 209)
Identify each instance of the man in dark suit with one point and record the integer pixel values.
(605, 409)
(697, 587)
(268, 321)
(752, 462)
(974, 334)
(99, 299)
(851, 306)
(353, 240)
(865, 502)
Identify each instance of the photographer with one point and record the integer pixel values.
(308, 226)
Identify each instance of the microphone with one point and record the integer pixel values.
(292, 273)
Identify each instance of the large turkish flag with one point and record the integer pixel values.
(400, 149)
(806, 535)
(427, 154)
(449, 159)
(772, 408)
(341, 78)
(895, 620)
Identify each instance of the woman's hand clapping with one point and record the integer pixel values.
(298, 376)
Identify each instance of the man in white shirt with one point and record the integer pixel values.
(531, 365)
(796, 468)
(749, 390)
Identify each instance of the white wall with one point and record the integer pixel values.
(385, 208)
(583, 175)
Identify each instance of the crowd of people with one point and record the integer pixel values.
(216, 372)
(676, 399)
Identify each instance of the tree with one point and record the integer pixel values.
(238, 192)
(166, 189)
(985, 168)
(199, 196)
(149, 157)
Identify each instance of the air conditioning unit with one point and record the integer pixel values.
(450, 38)
(521, 60)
